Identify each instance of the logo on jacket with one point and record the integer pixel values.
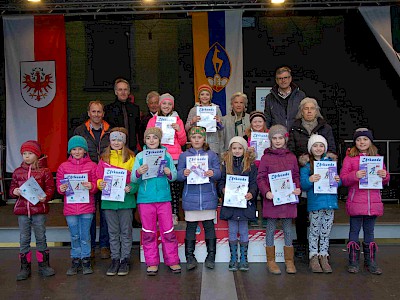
(217, 67)
(38, 82)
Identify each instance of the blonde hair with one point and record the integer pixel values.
(372, 151)
(126, 152)
(227, 158)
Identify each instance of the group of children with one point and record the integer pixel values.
(199, 201)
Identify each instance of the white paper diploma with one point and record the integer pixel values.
(327, 170)
(207, 118)
(81, 194)
(32, 191)
(282, 187)
(115, 180)
(153, 159)
(236, 188)
(260, 142)
(371, 164)
(198, 165)
(165, 123)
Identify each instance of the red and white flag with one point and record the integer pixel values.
(36, 87)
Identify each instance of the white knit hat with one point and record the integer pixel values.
(240, 140)
(316, 138)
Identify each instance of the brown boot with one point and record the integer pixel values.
(273, 268)
(289, 261)
(323, 260)
(314, 264)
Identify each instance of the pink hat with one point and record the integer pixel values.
(167, 97)
(31, 146)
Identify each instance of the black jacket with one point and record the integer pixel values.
(298, 136)
(114, 116)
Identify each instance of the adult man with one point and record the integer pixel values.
(96, 132)
(282, 104)
(123, 113)
(152, 100)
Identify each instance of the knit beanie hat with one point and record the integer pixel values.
(363, 132)
(31, 146)
(77, 141)
(204, 87)
(278, 129)
(316, 138)
(167, 97)
(257, 113)
(197, 130)
(153, 130)
(240, 140)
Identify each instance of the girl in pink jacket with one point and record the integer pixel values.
(167, 102)
(362, 205)
(76, 180)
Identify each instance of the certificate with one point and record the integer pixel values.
(32, 191)
(327, 184)
(371, 164)
(207, 118)
(115, 180)
(236, 188)
(80, 193)
(154, 158)
(260, 142)
(165, 123)
(282, 187)
(198, 165)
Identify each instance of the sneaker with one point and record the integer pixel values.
(152, 270)
(76, 267)
(86, 266)
(113, 269)
(175, 268)
(123, 267)
(105, 253)
(175, 220)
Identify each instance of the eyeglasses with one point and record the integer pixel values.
(283, 78)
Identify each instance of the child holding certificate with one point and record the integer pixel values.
(362, 205)
(32, 215)
(174, 138)
(199, 199)
(76, 179)
(238, 161)
(320, 206)
(204, 97)
(277, 159)
(154, 204)
(119, 215)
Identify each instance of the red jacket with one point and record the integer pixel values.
(78, 166)
(45, 179)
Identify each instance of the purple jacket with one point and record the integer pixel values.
(364, 202)
(277, 160)
(78, 166)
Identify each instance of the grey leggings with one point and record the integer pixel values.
(270, 231)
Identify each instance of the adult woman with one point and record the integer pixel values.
(237, 121)
(308, 121)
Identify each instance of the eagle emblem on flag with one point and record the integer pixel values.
(217, 67)
(38, 82)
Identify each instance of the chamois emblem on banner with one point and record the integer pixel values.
(38, 82)
(217, 67)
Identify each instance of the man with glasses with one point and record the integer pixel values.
(282, 103)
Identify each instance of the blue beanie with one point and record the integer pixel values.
(77, 141)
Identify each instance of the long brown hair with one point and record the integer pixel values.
(227, 158)
(126, 152)
(372, 151)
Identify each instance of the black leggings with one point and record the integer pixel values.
(302, 222)
(209, 230)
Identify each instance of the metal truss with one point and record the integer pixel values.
(149, 7)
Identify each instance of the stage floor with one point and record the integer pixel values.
(202, 283)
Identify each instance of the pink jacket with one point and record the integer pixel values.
(362, 202)
(78, 166)
(180, 137)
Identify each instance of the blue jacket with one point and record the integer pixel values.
(199, 196)
(236, 213)
(316, 201)
(153, 189)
